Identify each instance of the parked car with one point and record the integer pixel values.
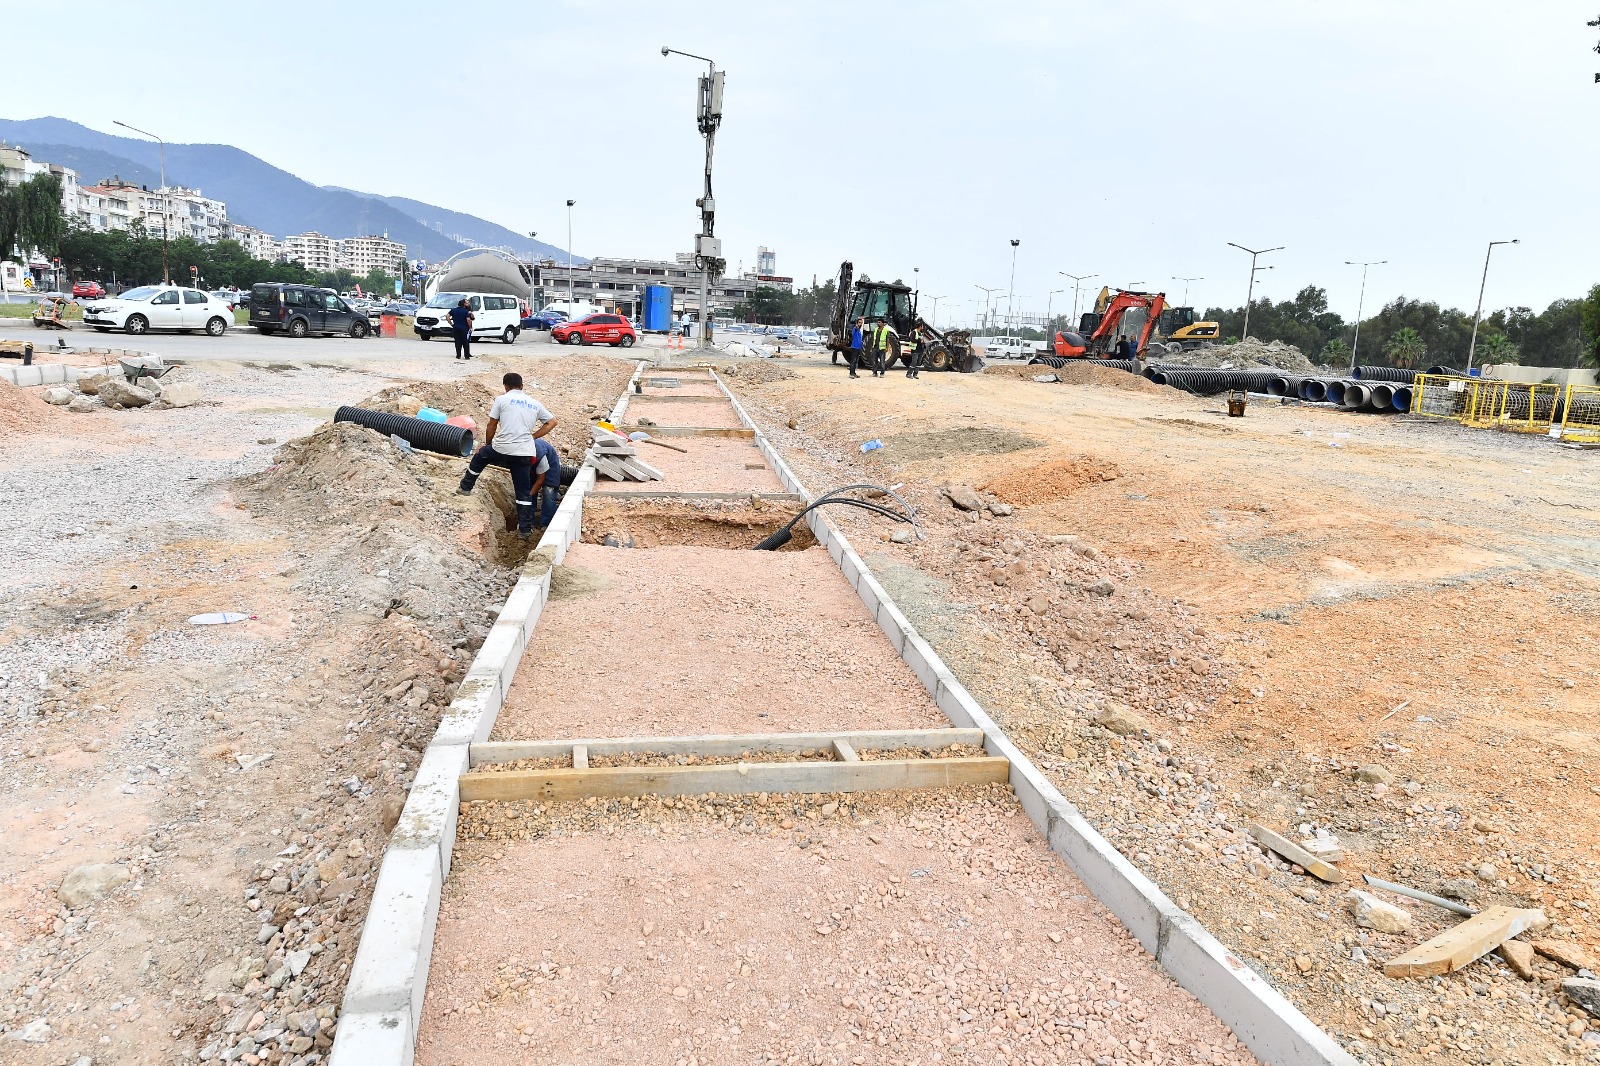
(90, 289)
(603, 328)
(151, 307)
(301, 310)
(546, 319)
(227, 297)
(493, 316)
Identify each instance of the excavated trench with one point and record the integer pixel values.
(657, 523)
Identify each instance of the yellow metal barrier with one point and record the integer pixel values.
(1518, 406)
(1580, 420)
(1440, 396)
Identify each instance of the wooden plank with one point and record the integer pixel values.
(498, 751)
(580, 757)
(727, 779)
(667, 494)
(1461, 944)
(691, 431)
(844, 751)
(1296, 854)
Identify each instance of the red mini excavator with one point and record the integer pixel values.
(1134, 315)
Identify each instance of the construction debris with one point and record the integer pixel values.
(1373, 913)
(614, 457)
(1464, 943)
(1296, 854)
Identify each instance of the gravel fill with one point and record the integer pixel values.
(712, 464)
(704, 640)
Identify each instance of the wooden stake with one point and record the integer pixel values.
(1461, 944)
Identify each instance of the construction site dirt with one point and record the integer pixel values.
(219, 793)
(1379, 633)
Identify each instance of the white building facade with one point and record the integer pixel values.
(363, 255)
(312, 251)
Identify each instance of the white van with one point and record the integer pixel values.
(494, 317)
(1007, 347)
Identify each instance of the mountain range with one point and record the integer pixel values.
(264, 196)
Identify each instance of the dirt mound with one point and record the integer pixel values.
(1050, 481)
(1247, 354)
(23, 410)
(572, 582)
(1089, 374)
(756, 373)
(968, 440)
(470, 397)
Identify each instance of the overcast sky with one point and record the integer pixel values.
(1128, 141)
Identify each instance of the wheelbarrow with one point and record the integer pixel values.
(142, 366)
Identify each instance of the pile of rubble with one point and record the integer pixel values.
(1246, 355)
(614, 457)
(110, 391)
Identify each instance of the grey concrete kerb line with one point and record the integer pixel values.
(1258, 1014)
(382, 1004)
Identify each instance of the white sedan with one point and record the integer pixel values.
(159, 307)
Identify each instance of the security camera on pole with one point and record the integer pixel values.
(707, 249)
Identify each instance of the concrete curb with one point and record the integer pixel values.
(47, 374)
(1267, 1023)
(382, 1006)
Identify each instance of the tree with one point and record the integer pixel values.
(1406, 348)
(1590, 318)
(30, 216)
(1336, 353)
(1496, 348)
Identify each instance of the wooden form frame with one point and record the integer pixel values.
(844, 771)
(688, 431)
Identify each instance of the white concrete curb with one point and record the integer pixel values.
(50, 373)
(1272, 1027)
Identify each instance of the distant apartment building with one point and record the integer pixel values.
(17, 166)
(620, 283)
(197, 217)
(362, 255)
(312, 251)
(257, 244)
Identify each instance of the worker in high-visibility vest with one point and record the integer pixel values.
(880, 347)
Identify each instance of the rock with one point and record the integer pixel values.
(90, 384)
(1566, 953)
(89, 882)
(1000, 510)
(1373, 913)
(1101, 588)
(963, 497)
(1519, 956)
(1459, 888)
(296, 961)
(793, 423)
(35, 1032)
(1585, 992)
(117, 391)
(82, 405)
(181, 394)
(57, 396)
(1487, 872)
(1118, 719)
(407, 405)
(1374, 774)
(902, 536)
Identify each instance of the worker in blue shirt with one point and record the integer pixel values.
(461, 328)
(546, 480)
(855, 347)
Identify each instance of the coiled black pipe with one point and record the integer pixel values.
(429, 436)
(1386, 373)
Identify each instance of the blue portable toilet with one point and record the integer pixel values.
(657, 316)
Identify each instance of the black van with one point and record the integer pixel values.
(301, 310)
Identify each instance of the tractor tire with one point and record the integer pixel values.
(895, 355)
(938, 358)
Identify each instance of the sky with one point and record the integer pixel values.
(1130, 142)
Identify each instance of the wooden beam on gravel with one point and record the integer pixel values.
(689, 431)
(1461, 944)
(500, 751)
(733, 778)
(664, 494)
(1296, 854)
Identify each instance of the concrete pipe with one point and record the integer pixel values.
(437, 437)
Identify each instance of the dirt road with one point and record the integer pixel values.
(1377, 629)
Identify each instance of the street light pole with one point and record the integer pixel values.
(1250, 292)
(988, 295)
(166, 274)
(533, 272)
(1473, 347)
(1010, 311)
(572, 308)
(1049, 303)
(1355, 345)
(1186, 287)
(934, 321)
(1077, 283)
(708, 250)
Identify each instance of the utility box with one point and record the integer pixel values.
(656, 314)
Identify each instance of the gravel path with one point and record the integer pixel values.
(704, 640)
(892, 928)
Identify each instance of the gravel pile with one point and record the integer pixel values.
(1247, 354)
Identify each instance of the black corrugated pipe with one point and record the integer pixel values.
(1356, 395)
(1284, 385)
(1450, 370)
(1386, 373)
(1382, 398)
(429, 436)
(1058, 362)
(1334, 390)
(1402, 399)
(1205, 382)
(1313, 389)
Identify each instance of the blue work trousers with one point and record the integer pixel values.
(521, 467)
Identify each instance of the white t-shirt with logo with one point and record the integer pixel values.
(518, 415)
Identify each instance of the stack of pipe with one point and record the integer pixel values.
(1058, 362)
(1203, 382)
(1385, 373)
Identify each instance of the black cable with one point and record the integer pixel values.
(785, 533)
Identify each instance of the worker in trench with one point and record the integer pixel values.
(516, 422)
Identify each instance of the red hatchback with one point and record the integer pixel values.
(603, 328)
(90, 289)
